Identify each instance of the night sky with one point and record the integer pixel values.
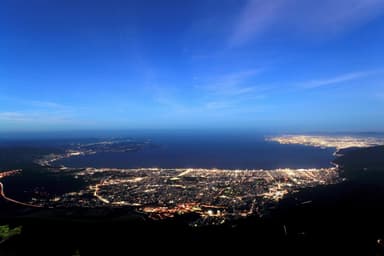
(225, 64)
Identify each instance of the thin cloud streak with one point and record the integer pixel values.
(48, 105)
(21, 116)
(36, 104)
(226, 91)
(255, 18)
(14, 116)
(31, 111)
(232, 84)
(336, 80)
(325, 18)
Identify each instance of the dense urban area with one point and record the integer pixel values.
(215, 195)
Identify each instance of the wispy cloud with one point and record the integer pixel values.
(167, 98)
(254, 19)
(169, 102)
(302, 16)
(25, 116)
(34, 104)
(231, 84)
(212, 95)
(47, 104)
(15, 116)
(336, 80)
(217, 105)
(231, 92)
(34, 111)
(335, 16)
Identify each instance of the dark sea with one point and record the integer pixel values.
(224, 151)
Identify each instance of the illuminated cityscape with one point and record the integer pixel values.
(338, 142)
(214, 194)
(215, 126)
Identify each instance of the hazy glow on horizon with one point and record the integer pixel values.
(268, 64)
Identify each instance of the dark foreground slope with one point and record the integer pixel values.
(342, 219)
(346, 217)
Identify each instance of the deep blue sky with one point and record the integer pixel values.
(274, 64)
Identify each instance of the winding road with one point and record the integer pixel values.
(2, 194)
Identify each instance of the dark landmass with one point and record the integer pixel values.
(345, 218)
